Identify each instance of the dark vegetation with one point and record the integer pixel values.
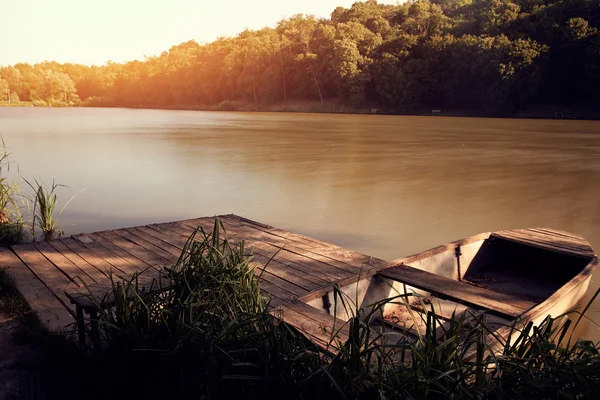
(487, 57)
(210, 334)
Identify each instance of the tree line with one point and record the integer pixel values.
(481, 56)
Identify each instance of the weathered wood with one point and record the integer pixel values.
(48, 273)
(165, 247)
(314, 245)
(302, 267)
(288, 248)
(441, 249)
(334, 326)
(299, 262)
(49, 310)
(96, 266)
(151, 251)
(461, 292)
(276, 267)
(118, 257)
(549, 240)
(318, 333)
(349, 261)
(63, 262)
(131, 250)
(166, 236)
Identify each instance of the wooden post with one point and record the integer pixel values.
(80, 326)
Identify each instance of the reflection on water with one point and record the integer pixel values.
(388, 186)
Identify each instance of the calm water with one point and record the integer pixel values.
(387, 186)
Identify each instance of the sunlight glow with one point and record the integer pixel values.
(96, 31)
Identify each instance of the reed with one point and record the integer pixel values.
(45, 202)
(11, 219)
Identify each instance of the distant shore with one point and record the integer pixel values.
(19, 104)
(332, 107)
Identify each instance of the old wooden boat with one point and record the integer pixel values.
(514, 276)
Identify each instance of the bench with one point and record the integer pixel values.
(462, 292)
(95, 297)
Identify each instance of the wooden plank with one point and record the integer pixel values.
(547, 242)
(275, 277)
(152, 237)
(315, 332)
(125, 250)
(167, 236)
(276, 286)
(315, 268)
(91, 257)
(44, 270)
(63, 262)
(277, 268)
(549, 238)
(244, 232)
(151, 252)
(277, 294)
(334, 326)
(98, 245)
(556, 232)
(462, 292)
(301, 278)
(349, 261)
(49, 310)
(349, 280)
(329, 250)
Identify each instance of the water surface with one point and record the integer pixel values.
(387, 186)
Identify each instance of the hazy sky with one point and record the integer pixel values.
(95, 31)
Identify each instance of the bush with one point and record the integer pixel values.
(39, 103)
(57, 103)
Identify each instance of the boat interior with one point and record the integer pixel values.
(490, 272)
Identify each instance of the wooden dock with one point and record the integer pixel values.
(301, 266)
(300, 269)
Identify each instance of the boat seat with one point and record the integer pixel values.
(459, 291)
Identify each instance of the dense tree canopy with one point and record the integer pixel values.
(485, 56)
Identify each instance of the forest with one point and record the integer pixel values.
(485, 57)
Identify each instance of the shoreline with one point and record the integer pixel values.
(549, 112)
(311, 107)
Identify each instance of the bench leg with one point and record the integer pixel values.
(80, 326)
(95, 330)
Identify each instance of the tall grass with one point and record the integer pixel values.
(45, 203)
(203, 330)
(11, 219)
(202, 327)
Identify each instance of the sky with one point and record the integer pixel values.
(96, 31)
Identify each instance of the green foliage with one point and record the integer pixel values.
(45, 201)
(11, 220)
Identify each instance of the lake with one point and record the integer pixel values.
(387, 186)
